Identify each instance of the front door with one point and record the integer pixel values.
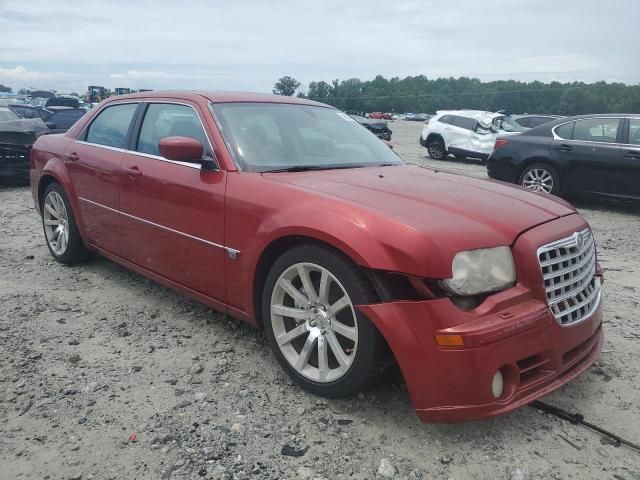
(173, 212)
(93, 161)
(626, 168)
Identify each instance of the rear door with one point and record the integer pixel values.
(589, 156)
(459, 131)
(93, 162)
(173, 212)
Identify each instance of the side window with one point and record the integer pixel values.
(634, 131)
(169, 120)
(111, 125)
(597, 130)
(466, 123)
(445, 119)
(565, 131)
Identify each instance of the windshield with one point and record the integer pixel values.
(6, 114)
(271, 136)
(507, 124)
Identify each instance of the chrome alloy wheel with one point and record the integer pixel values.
(56, 223)
(314, 322)
(538, 180)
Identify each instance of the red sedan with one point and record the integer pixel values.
(287, 214)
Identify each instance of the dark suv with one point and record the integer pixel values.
(593, 154)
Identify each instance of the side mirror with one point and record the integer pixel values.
(181, 149)
(51, 125)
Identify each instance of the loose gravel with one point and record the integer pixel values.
(107, 375)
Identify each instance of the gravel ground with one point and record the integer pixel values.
(105, 374)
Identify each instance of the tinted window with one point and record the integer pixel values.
(463, 122)
(634, 131)
(169, 120)
(111, 125)
(565, 131)
(537, 121)
(66, 118)
(524, 122)
(264, 136)
(597, 130)
(445, 119)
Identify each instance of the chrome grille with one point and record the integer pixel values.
(568, 269)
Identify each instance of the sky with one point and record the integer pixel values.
(248, 44)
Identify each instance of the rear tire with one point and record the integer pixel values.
(60, 228)
(436, 149)
(540, 177)
(329, 350)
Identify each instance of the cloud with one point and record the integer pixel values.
(249, 44)
(138, 75)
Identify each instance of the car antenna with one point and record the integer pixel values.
(578, 418)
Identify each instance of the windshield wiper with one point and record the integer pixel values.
(306, 168)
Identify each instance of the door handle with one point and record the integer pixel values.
(565, 148)
(635, 155)
(132, 171)
(73, 156)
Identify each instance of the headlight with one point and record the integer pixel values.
(481, 271)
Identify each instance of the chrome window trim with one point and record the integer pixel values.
(106, 147)
(148, 155)
(155, 157)
(232, 252)
(558, 137)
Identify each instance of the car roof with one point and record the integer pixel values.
(220, 97)
(482, 115)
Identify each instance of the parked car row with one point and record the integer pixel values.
(592, 154)
(59, 119)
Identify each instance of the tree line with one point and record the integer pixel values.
(423, 95)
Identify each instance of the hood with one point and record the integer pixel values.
(463, 212)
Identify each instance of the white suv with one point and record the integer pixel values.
(465, 133)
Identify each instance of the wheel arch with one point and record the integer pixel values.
(274, 250)
(539, 159)
(435, 136)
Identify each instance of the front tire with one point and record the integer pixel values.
(540, 177)
(315, 331)
(60, 228)
(436, 149)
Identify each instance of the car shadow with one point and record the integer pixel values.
(606, 204)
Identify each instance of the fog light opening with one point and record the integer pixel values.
(497, 384)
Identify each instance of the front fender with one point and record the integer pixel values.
(369, 239)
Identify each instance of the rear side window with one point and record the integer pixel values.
(445, 119)
(111, 125)
(463, 122)
(597, 130)
(565, 131)
(169, 120)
